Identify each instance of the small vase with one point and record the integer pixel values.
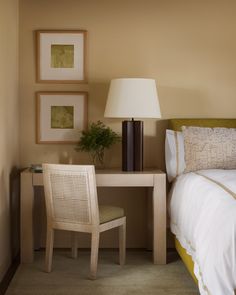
(98, 161)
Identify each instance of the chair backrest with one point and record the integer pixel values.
(71, 194)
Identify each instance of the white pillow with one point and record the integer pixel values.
(174, 154)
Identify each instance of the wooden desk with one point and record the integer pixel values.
(153, 179)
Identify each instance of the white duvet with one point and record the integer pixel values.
(202, 209)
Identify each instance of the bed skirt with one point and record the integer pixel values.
(187, 259)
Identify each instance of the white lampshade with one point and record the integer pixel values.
(132, 98)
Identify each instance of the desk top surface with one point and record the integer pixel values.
(110, 177)
(114, 171)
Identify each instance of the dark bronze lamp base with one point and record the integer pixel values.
(132, 145)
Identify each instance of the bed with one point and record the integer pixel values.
(206, 195)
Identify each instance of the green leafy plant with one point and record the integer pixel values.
(95, 140)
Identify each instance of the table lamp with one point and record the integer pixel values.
(132, 98)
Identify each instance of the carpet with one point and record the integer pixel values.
(70, 277)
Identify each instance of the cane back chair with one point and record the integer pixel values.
(72, 205)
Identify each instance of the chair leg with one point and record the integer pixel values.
(122, 242)
(94, 255)
(49, 249)
(74, 248)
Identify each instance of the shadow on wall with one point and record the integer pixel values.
(4, 218)
(15, 212)
(12, 223)
(154, 147)
(97, 101)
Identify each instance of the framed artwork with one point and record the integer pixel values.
(61, 56)
(60, 116)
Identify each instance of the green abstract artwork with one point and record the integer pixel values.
(62, 117)
(62, 56)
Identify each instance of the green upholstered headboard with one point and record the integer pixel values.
(175, 124)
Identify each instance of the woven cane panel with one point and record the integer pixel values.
(209, 148)
(70, 198)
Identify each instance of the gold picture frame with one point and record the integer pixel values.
(61, 56)
(60, 116)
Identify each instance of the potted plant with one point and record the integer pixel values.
(95, 140)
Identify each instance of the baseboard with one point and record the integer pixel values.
(9, 275)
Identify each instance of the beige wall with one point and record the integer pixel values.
(9, 117)
(188, 46)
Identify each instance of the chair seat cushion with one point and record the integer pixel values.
(108, 213)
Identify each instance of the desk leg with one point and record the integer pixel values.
(150, 218)
(27, 202)
(159, 219)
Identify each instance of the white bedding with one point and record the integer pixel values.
(202, 208)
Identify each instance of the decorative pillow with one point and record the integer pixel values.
(209, 148)
(174, 154)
